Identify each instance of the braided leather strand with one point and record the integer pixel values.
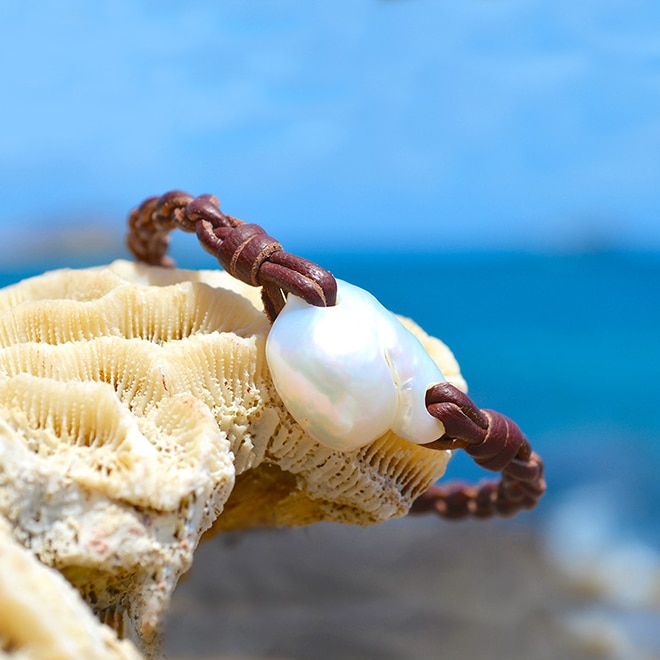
(244, 250)
(495, 443)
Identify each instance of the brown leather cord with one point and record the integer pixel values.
(496, 443)
(245, 251)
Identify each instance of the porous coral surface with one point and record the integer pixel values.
(42, 617)
(137, 411)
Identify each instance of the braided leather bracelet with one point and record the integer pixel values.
(246, 252)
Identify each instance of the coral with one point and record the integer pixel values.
(137, 412)
(42, 617)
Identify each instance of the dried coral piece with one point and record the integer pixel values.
(136, 406)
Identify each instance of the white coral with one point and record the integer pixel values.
(136, 406)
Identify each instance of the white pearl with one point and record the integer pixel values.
(351, 372)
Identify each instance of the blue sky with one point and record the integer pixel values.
(387, 124)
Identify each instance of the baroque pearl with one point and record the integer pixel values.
(351, 372)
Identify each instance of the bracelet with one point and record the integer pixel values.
(246, 252)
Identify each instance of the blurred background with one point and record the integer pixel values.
(489, 168)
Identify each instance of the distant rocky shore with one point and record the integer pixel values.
(412, 588)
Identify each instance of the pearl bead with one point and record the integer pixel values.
(351, 372)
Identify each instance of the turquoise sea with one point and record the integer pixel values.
(568, 346)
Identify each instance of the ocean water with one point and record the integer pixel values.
(568, 346)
